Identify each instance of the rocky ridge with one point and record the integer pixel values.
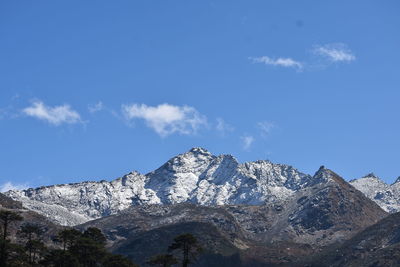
(387, 196)
(196, 177)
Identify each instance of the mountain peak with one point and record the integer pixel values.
(199, 150)
(371, 175)
(322, 171)
(324, 175)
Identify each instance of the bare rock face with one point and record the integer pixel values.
(387, 196)
(196, 177)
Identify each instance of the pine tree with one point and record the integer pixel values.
(32, 233)
(189, 247)
(6, 217)
(68, 237)
(112, 260)
(90, 248)
(60, 258)
(96, 235)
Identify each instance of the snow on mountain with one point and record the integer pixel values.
(196, 176)
(387, 196)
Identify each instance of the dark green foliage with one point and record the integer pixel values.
(67, 238)
(85, 249)
(112, 260)
(6, 218)
(95, 235)
(30, 231)
(60, 258)
(34, 246)
(88, 251)
(16, 255)
(189, 247)
(164, 260)
(78, 249)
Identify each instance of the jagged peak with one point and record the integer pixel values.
(322, 171)
(326, 175)
(266, 161)
(322, 174)
(371, 175)
(132, 173)
(199, 150)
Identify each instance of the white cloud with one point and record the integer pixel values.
(282, 62)
(10, 186)
(166, 119)
(223, 127)
(54, 115)
(265, 127)
(96, 107)
(335, 52)
(247, 140)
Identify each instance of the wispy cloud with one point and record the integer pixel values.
(96, 107)
(7, 186)
(247, 141)
(331, 53)
(281, 62)
(223, 127)
(338, 52)
(166, 119)
(56, 115)
(265, 127)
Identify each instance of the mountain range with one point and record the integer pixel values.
(196, 177)
(246, 214)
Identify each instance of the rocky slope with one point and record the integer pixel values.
(385, 195)
(377, 245)
(50, 229)
(327, 211)
(196, 176)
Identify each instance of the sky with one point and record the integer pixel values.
(92, 90)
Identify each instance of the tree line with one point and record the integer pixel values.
(78, 249)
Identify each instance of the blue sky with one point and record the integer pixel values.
(91, 90)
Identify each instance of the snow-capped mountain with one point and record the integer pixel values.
(196, 176)
(327, 211)
(385, 195)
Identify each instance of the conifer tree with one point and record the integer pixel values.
(189, 247)
(6, 218)
(32, 233)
